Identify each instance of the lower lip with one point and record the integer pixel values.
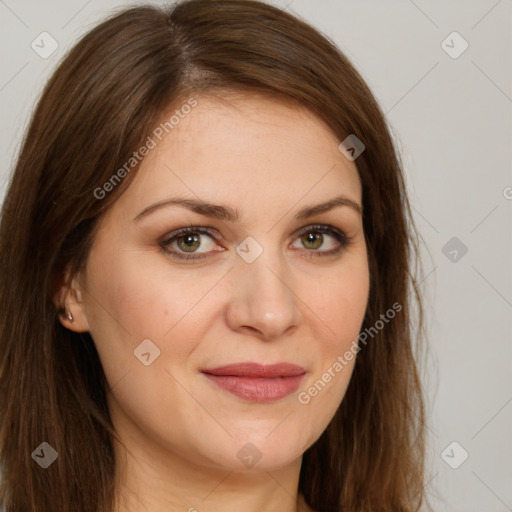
(257, 389)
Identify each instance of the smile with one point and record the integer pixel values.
(255, 382)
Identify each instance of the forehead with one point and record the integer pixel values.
(252, 152)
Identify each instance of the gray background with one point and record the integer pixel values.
(451, 120)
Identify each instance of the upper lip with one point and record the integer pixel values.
(257, 370)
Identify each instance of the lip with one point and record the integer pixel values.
(257, 382)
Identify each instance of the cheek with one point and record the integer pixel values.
(148, 296)
(151, 301)
(142, 297)
(340, 305)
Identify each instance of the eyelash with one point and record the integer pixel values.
(340, 236)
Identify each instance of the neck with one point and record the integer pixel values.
(151, 479)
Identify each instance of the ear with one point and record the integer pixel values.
(69, 299)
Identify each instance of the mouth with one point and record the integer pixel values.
(257, 382)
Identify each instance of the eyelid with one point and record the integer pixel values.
(322, 228)
(341, 237)
(173, 235)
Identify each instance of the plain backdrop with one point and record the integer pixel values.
(447, 97)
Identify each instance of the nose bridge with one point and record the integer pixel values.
(264, 298)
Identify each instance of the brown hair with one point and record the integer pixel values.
(97, 108)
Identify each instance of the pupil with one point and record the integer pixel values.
(190, 241)
(313, 239)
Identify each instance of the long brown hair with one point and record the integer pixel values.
(97, 108)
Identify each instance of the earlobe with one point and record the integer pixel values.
(70, 306)
(69, 316)
(72, 316)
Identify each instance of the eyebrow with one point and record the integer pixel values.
(226, 213)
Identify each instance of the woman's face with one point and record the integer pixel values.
(273, 286)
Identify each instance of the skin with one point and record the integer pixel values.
(181, 433)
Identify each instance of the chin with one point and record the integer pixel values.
(259, 451)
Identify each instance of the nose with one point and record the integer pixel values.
(264, 302)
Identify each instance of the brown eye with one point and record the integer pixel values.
(189, 242)
(313, 238)
(317, 240)
(184, 243)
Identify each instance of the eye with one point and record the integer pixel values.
(186, 242)
(313, 238)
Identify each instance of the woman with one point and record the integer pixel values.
(206, 253)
